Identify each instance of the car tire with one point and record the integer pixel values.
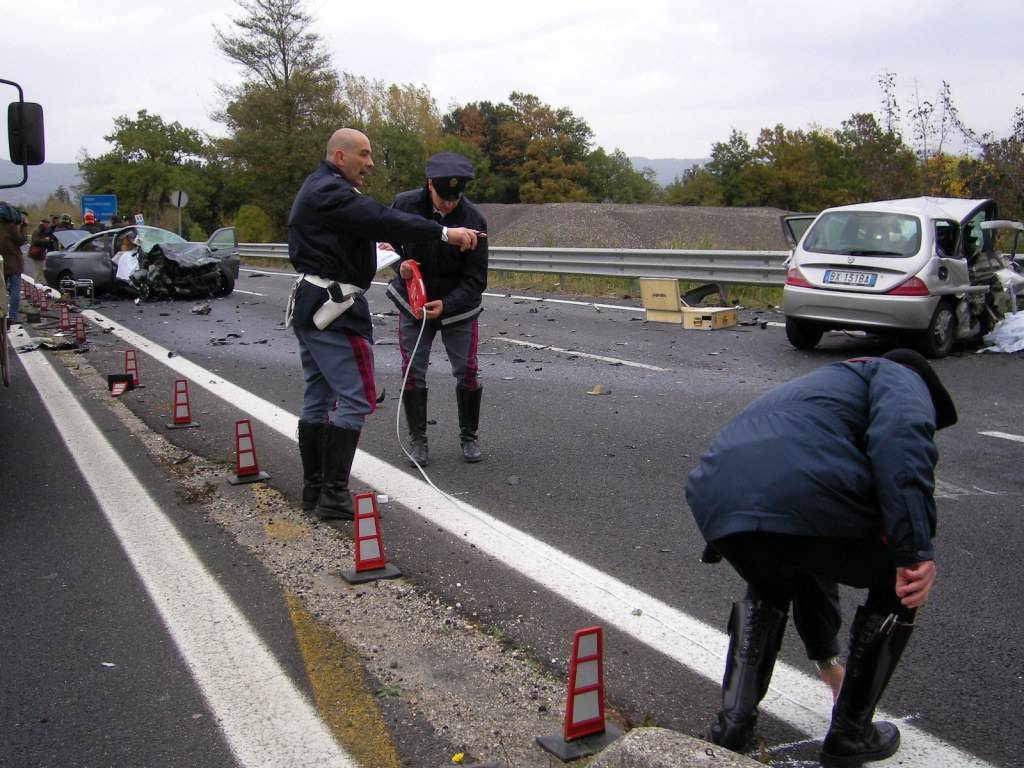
(227, 281)
(803, 334)
(938, 340)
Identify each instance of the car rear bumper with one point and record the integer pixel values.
(845, 309)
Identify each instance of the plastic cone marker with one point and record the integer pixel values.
(369, 544)
(80, 330)
(131, 367)
(65, 318)
(181, 409)
(584, 731)
(247, 469)
(584, 708)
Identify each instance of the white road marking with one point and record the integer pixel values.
(248, 293)
(266, 720)
(1004, 436)
(575, 353)
(944, 490)
(570, 302)
(794, 697)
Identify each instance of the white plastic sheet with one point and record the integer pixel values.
(1007, 336)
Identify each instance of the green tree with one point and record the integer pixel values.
(733, 166)
(149, 159)
(613, 178)
(698, 186)
(881, 165)
(280, 116)
(538, 151)
(252, 224)
(403, 124)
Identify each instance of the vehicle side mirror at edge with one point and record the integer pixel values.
(25, 133)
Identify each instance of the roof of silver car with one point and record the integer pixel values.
(954, 208)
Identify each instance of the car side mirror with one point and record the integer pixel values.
(25, 133)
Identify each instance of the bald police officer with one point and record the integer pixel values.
(331, 234)
(455, 280)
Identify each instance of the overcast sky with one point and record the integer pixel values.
(655, 79)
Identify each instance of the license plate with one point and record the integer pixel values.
(836, 277)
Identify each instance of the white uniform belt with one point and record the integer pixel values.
(323, 282)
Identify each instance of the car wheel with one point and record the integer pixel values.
(227, 281)
(937, 341)
(803, 334)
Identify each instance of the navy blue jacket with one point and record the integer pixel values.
(332, 233)
(458, 278)
(846, 451)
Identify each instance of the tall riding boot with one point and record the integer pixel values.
(415, 403)
(876, 644)
(339, 448)
(311, 437)
(755, 635)
(469, 421)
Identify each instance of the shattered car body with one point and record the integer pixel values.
(922, 268)
(181, 271)
(170, 266)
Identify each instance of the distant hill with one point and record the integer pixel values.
(42, 181)
(666, 169)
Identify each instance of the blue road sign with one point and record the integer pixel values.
(103, 206)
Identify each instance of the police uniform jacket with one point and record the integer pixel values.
(332, 233)
(457, 278)
(846, 451)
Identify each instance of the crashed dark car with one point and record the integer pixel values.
(169, 266)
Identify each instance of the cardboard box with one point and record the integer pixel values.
(708, 318)
(660, 300)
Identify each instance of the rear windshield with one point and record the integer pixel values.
(865, 233)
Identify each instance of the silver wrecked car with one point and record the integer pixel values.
(94, 256)
(921, 267)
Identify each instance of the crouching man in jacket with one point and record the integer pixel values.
(332, 231)
(830, 475)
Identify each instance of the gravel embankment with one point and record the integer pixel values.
(610, 225)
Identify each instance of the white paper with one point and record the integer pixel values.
(386, 258)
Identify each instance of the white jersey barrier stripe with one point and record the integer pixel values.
(267, 721)
(795, 697)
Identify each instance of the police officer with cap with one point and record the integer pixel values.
(331, 234)
(454, 282)
(828, 476)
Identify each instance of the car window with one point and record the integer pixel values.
(99, 243)
(223, 238)
(946, 231)
(974, 237)
(865, 233)
(150, 236)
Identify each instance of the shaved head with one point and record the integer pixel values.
(348, 150)
(346, 140)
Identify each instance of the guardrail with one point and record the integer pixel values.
(726, 267)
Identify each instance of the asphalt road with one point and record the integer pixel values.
(600, 477)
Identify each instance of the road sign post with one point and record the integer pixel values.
(179, 200)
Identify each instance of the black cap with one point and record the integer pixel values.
(945, 410)
(449, 173)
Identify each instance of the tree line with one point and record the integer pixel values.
(291, 98)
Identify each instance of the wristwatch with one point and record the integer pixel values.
(444, 234)
(824, 664)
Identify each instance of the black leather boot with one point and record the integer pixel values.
(415, 403)
(339, 448)
(756, 628)
(876, 644)
(311, 452)
(469, 421)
